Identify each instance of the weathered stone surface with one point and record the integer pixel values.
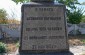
(43, 28)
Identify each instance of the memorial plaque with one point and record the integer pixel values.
(43, 27)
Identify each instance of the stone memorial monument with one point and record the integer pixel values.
(43, 27)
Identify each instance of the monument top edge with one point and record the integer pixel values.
(42, 0)
(34, 3)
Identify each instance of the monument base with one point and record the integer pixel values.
(43, 51)
(47, 53)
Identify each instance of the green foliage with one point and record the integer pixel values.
(3, 16)
(83, 41)
(17, 45)
(75, 16)
(69, 3)
(2, 47)
(83, 20)
(21, 1)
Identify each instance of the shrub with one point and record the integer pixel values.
(2, 47)
(75, 16)
(83, 20)
(83, 41)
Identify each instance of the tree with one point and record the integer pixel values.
(69, 3)
(3, 16)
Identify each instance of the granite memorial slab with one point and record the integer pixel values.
(43, 27)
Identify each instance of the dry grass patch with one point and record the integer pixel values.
(77, 40)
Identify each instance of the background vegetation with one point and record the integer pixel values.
(3, 16)
(75, 16)
(2, 47)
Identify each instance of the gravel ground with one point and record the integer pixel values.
(77, 50)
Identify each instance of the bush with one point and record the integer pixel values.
(2, 47)
(75, 16)
(83, 41)
(83, 20)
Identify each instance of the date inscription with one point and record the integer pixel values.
(39, 47)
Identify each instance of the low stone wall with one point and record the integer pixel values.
(74, 29)
(13, 30)
(10, 30)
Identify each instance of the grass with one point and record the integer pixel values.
(83, 41)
